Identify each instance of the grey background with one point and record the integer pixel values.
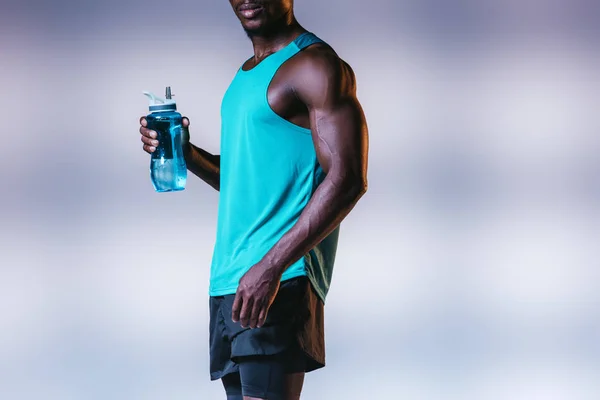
(468, 271)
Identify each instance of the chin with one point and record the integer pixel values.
(255, 27)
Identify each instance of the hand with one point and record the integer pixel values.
(256, 292)
(149, 137)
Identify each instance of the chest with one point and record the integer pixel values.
(260, 97)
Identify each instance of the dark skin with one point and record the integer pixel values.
(315, 89)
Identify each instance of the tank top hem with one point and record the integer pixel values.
(233, 289)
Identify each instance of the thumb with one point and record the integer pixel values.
(185, 122)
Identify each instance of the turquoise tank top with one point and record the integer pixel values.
(269, 171)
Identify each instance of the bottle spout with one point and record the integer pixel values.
(154, 100)
(160, 104)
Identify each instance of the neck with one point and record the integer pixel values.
(276, 37)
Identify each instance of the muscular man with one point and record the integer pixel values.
(293, 164)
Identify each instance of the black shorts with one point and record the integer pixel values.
(294, 327)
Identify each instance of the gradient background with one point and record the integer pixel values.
(468, 271)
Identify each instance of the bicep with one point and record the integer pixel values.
(326, 85)
(339, 132)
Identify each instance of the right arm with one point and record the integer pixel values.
(201, 163)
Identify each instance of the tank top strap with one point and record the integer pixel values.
(306, 39)
(262, 74)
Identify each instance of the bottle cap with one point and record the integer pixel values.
(160, 104)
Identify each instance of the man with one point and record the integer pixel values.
(293, 164)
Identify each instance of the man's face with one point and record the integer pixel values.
(259, 16)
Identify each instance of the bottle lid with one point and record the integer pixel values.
(160, 104)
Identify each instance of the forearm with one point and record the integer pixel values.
(204, 165)
(329, 205)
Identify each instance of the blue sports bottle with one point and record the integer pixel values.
(168, 171)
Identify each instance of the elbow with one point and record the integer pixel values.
(355, 188)
(349, 183)
(361, 187)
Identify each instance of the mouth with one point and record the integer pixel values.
(250, 10)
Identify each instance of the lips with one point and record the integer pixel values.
(250, 10)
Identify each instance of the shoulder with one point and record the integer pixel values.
(318, 72)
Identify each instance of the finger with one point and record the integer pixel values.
(236, 307)
(245, 313)
(149, 149)
(262, 316)
(148, 132)
(185, 131)
(256, 309)
(185, 122)
(149, 141)
(143, 121)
